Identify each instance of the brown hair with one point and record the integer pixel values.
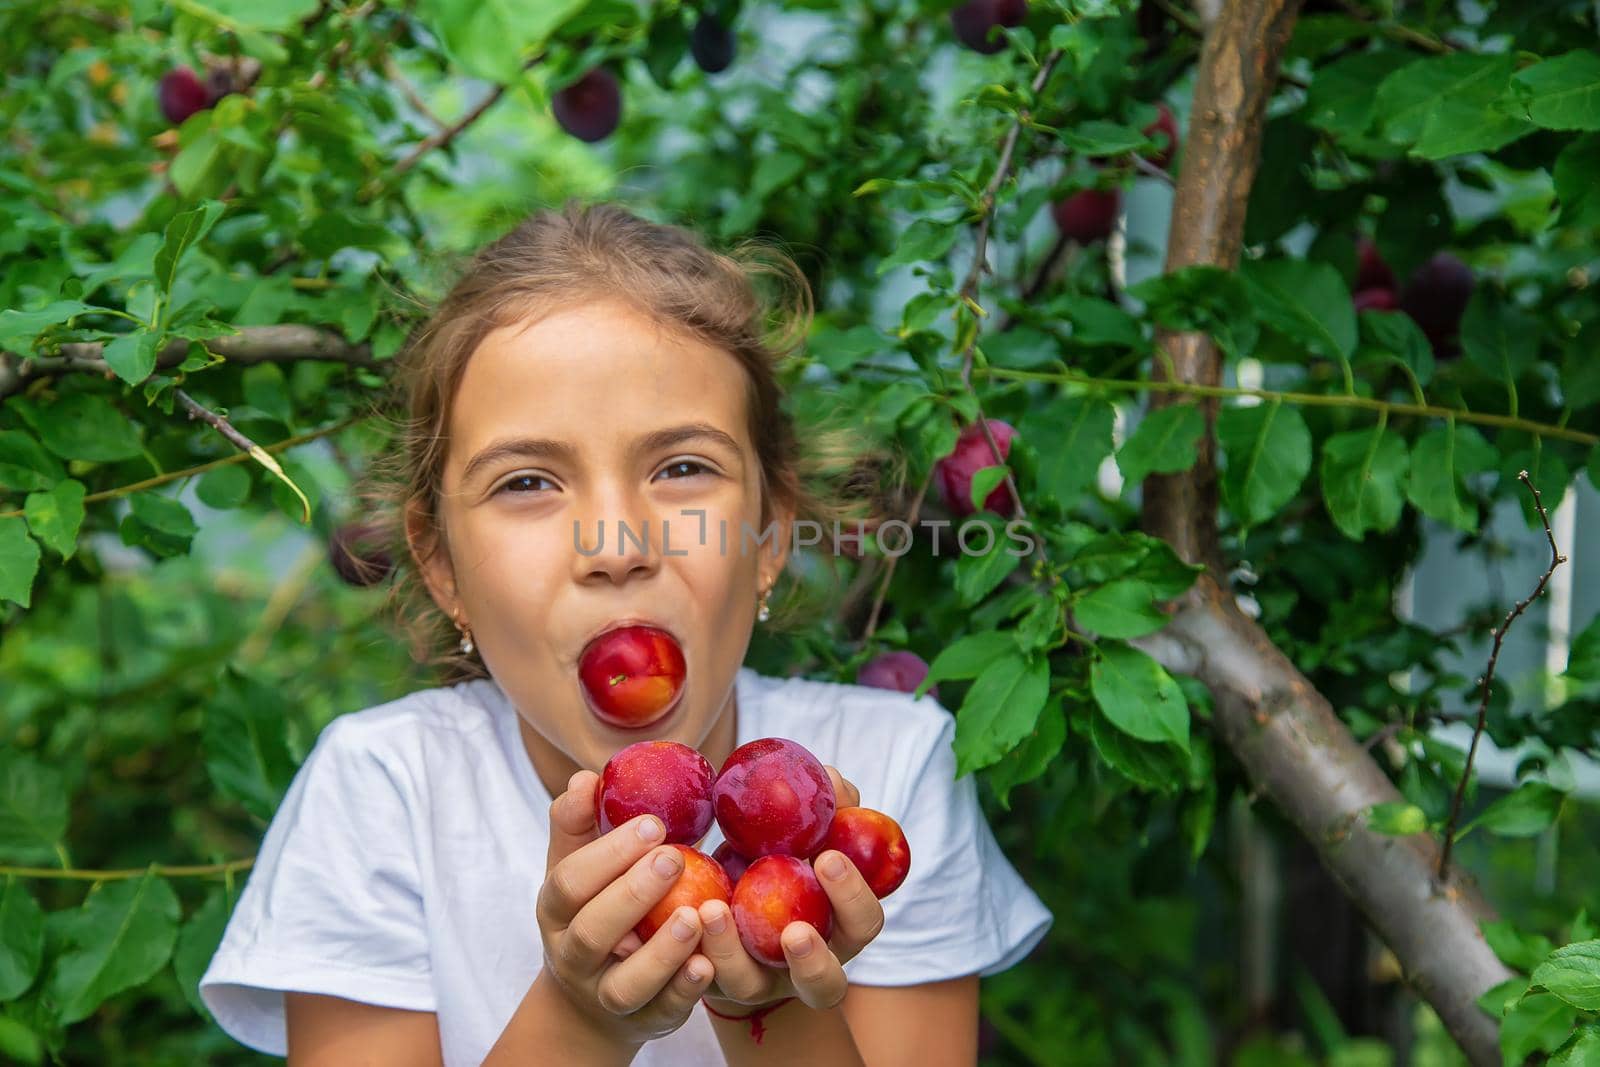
(585, 252)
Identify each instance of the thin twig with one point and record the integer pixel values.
(888, 571)
(162, 870)
(244, 444)
(409, 91)
(1154, 171)
(1327, 400)
(190, 472)
(1556, 560)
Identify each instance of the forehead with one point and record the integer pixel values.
(596, 374)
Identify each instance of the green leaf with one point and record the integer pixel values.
(1539, 1022)
(1515, 949)
(1122, 608)
(1447, 105)
(1561, 93)
(1583, 658)
(19, 328)
(1214, 301)
(923, 241)
(978, 575)
(1363, 480)
(1098, 322)
(159, 523)
(1576, 188)
(81, 426)
(1343, 95)
(33, 809)
(967, 657)
(224, 487)
(1164, 442)
(1581, 1050)
(1527, 811)
(133, 355)
(246, 746)
(197, 943)
(24, 465)
(1071, 436)
(492, 39)
(1441, 462)
(984, 481)
(1001, 708)
(21, 938)
(1160, 767)
(1396, 817)
(1032, 757)
(280, 15)
(266, 389)
(1396, 336)
(20, 1043)
(1096, 137)
(186, 229)
(1499, 339)
(121, 938)
(1268, 450)
(1138, 695)
(1307, 301)
(54, 517)
(839, 351)
(19, 561)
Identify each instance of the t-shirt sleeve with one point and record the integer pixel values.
(963, 908)
(333, 902)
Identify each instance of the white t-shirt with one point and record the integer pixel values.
(403, 865)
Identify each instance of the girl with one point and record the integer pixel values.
(434, 889)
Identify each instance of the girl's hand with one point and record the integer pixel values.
(816, 972)
(595, 891)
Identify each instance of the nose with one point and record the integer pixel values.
(617, 540)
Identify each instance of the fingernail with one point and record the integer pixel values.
(682, 930)
(833, 865)
(695, 976)
(718, 922)
(666, 864)
(651, 829)
(802, 948)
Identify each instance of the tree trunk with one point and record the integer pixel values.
(1286, 735)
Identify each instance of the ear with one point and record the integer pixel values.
(432, 558)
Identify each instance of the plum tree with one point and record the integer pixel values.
(1089, 215)
(590, 108)
(971, 454)
(181, 93)
(973, 20)
(712, 43)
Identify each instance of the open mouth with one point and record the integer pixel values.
(632, 675)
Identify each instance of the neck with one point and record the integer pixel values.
(555, 768)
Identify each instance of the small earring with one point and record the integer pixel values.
(763, 613)
(466, 640)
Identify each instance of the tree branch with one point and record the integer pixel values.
(1284, 733)
(1487, 681)
(252, 344)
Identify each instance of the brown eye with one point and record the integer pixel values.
(695, 468)
(521, 480)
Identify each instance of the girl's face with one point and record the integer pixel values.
(594, 415)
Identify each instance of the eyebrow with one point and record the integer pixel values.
(561, 451)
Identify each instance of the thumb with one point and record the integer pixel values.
(572, 823)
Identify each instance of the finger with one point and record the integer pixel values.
(740, 976)
(636, 981)
(857, 912)
(572, 822)
(627, 946)
(817, 975)
(845, 795)
(599, 925)
(578, 879)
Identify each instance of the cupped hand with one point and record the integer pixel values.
(596, 890)
(816, 967)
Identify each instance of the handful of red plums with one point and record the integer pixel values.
(775, 804)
